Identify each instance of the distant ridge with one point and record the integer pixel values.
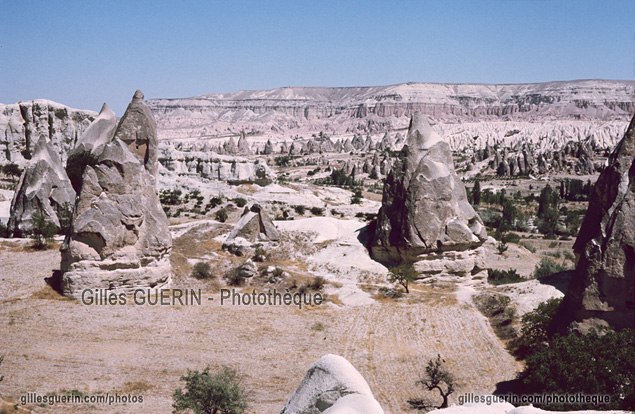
(346, 110)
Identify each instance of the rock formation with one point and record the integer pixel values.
(44, 188)
(425, 212)
(253, 226)
(23, 124)
(98, 134)
(138, 130)
(332, 386)
(119, 238)
(602, 290)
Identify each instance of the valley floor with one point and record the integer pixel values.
(53, 345)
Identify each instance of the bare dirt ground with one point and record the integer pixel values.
(54, 345)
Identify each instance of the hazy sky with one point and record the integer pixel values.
(84, 53)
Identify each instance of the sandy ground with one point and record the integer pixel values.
(52, 344)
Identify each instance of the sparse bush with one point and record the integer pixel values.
(594, 364)
(260, 255)
(568, 254)
(303, 289)
(436, 377)
(528, 246)
(278, 272)
(43, 231)
(240, 202)
(317, 283)
(299, 209)
(501, 277)
(357, 197)
(207, 393)
(4, 231)
(548, 267)
(234, 277)
(202, 270)
(403, 275)
(221, 215)
(12, 170)
(510, 238)
(501, 247)
(214, 202)
(555, 254)
(534, 328)
(317, 211)
(318, 326)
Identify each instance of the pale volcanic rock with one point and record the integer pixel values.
(254, 226)
(138, 130)
(424, 205)
(332, 386)
(98, 134)
(23, 124)
(119, 238)
(602, 290)
(44, 188)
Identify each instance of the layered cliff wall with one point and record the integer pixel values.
(338, 111)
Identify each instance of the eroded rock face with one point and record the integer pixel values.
(119, 238)
(602, 290)
(138, 130)
(424, 207)
(44, 188)
(332, 386)
(23, 124)
(253, 226)
(98, 134)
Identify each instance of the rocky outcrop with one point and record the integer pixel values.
(332, 386)
(425, 213)
(337, 111)
(602, 290)
(119, 238)
(44, 188)
(98, 134)
(213, 166)
(254, 225)
(23, 124)
(138, 130)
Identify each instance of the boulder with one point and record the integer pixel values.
(253, 226)
(119, 238)
(138, 130)
(44, 188)
(424, 205)
(602, 290)
(332, 386)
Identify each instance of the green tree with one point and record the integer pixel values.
(476, 193)
(219, 393)
(43, 231)
(402, 274)
(438, 377)
(593, 364)
(12, 169)
(533, 335)
(221, 215)
(357, 196)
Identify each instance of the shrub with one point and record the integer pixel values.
(260, 255)
(501, 277)
(528, 246)
(402, 274)
(299, 210)
(317, 283)
(12, 169)
(317, 211)
(534, 328)
(202, 270)
(357, 197)
(548, 267)
(235, 277)
(592, 364)
(502, 247)
(211, 393)
(221, 215)
(510, 238)
(43, 231)
(214, 201)
(240, 202)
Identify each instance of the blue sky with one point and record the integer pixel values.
(84, 53)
